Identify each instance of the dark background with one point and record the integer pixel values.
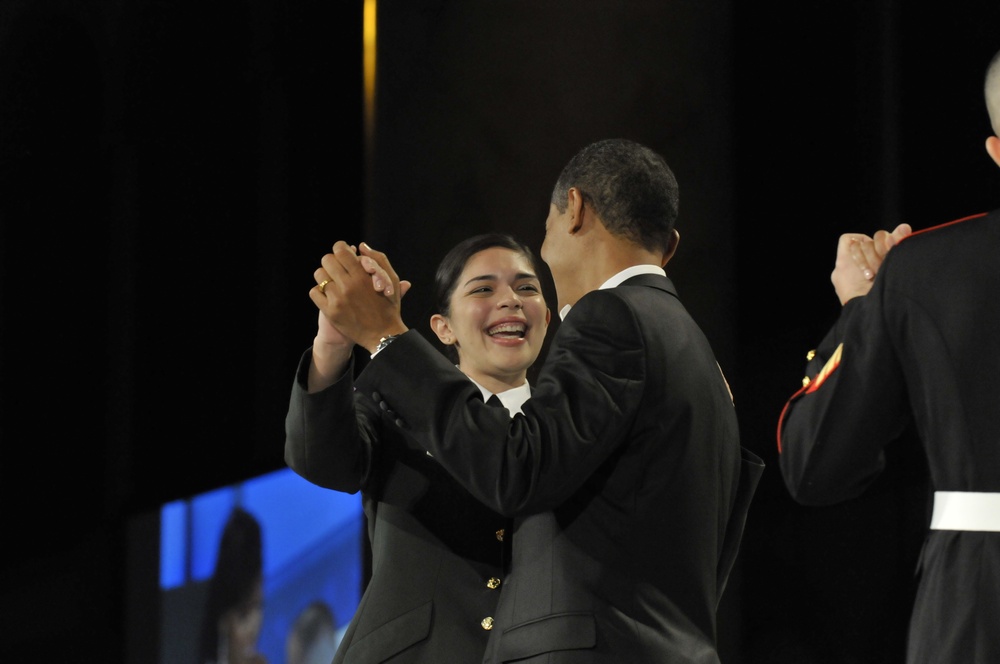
(171, 172)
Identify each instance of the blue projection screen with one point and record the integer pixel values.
(312, 547)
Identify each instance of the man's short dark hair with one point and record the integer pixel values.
(628, 185)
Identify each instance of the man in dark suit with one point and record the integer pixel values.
(917, 341)
(624, 471)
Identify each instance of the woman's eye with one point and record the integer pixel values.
(481, 289)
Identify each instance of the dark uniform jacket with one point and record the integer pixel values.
(923, 347)
(438, 555)
(624, 473)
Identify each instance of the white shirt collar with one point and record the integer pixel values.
(511, 399)
(617, 279)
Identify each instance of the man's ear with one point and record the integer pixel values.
(574, 201)
(442, 328)
(993, 149)
(675, 239)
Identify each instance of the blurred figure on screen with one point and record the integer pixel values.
(313, 637)
(234, 610)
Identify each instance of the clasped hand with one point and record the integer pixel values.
(358, 296)
(859, 258)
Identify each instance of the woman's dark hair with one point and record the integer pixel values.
(450, 269)
(238, 567)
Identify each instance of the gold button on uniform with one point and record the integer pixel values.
(487, 623)
(500, 535)
(493, 583)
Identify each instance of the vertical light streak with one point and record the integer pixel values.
(368, 36)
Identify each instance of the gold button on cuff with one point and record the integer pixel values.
(487, 623)
(500, 535)
(493, 583)
(806, 381)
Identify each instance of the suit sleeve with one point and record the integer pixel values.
(330, 440)
(832, 432)
(579, 412)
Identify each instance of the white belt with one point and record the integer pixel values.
(966, 510)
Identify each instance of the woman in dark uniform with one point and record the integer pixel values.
(438, 555)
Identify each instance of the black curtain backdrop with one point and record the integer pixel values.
(171, 173)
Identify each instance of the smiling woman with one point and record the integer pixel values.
(493, 317)
(442, 556)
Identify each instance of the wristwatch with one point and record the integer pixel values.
(384, 342)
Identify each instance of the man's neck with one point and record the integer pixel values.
(600, 266)
(618, 279)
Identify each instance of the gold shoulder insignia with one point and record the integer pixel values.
(828, 368)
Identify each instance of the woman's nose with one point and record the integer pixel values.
(510, 299)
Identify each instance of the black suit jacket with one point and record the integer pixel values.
(923, 347)
(435, 549)
(623, 472)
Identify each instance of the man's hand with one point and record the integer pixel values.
(326, 333)
(331, 350)
(859, 258)
(348, 301)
